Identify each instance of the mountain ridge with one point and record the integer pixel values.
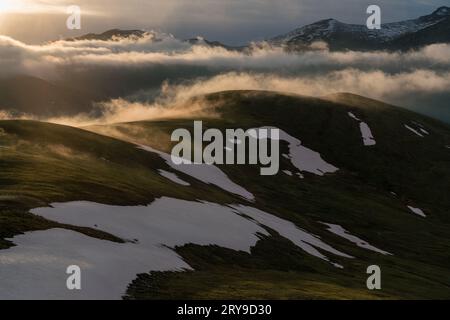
(345, 36)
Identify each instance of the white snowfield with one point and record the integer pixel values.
(413, 130)
(206, 173)
(389, 31)
(304, 159)
(366, 133)
(417, 211)
(36, 267)
(340, 231)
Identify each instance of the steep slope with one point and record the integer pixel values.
(403, 35)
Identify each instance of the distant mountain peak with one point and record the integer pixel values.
(111, 34)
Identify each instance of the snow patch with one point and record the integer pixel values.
(413, 130)
(322, 30)
(289, 173)
(338, 230)
(424, 131)
(417, 211)
(442, 11)
(304, 159)
(41, 258)
(206, 173)
(36, 267)
(306, 241)
(351, 115)
(366, 133)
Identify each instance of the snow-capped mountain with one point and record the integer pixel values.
(403, 35)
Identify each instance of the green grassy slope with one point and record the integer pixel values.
(358, 197)
(44, 163)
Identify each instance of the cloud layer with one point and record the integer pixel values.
(233, 21)
(135, 69)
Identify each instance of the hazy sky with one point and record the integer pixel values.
(229, 21)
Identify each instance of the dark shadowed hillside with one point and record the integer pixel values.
(34, 96)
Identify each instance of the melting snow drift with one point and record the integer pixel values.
(308, 242)
(36, 267)
(414, 131)
(150, 233)
(338, 230)
(206, 173)
(366, 133)
(417, 211)
(173, 177)
(304, 159)
(351, 115)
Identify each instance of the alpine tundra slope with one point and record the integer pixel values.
(108, 199)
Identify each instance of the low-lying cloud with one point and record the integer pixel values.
(165, 71)
(162, 49)
(176, 101)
